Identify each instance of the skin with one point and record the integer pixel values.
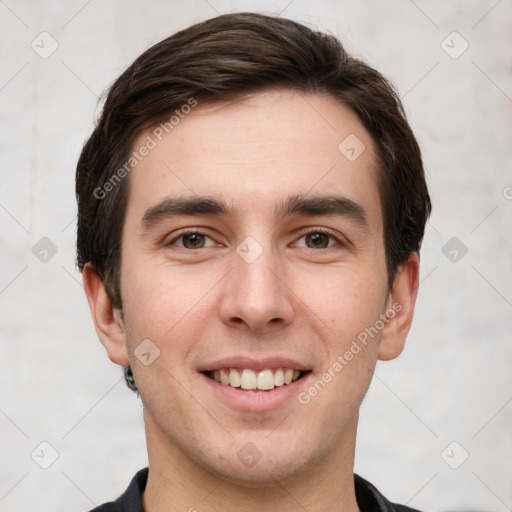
(295, 300)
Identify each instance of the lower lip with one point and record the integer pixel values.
(256, 400)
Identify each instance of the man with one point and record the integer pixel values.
(251, 207)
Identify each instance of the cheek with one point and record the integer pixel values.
(343, 309)
(345, 297)
(163, 311)
(166, 305)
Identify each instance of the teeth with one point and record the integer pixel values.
(279, 377)
(248, 380)
(263, 380)
(224, 377)
(234, 378)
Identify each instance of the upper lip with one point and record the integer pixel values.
(254, 364)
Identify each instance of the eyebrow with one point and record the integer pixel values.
(301, 204)
(181, 206)
(330, 205)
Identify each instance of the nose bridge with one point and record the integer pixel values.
(256, 296)
(257, 281)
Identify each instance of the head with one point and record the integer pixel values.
(246, 130)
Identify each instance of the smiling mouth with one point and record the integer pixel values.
(263, 380)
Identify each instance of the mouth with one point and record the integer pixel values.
(249, 380)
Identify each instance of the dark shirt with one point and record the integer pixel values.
(369, 499)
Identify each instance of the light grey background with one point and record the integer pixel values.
(453, 381)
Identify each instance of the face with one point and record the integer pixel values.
(253, 255)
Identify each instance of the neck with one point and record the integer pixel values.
(176, 482)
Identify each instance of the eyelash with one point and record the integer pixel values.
(324, 231)
(312, 231)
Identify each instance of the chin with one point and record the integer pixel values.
(247, 466)
(265, 473)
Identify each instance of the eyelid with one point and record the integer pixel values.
(301, 233)
(189, 231)
(333, 234)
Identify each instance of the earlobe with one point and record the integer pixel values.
(107, 320)
(400, 309)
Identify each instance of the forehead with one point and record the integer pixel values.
(257, 150)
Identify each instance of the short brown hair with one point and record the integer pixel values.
(221, 59)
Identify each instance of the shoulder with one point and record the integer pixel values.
(370, 499)
(131, 499)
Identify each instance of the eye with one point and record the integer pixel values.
(193, 240)
(319, 239)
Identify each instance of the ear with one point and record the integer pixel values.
(400, 308)
(107, 320)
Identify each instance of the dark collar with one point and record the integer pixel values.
(368, 497)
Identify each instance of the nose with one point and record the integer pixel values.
(255, 295)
